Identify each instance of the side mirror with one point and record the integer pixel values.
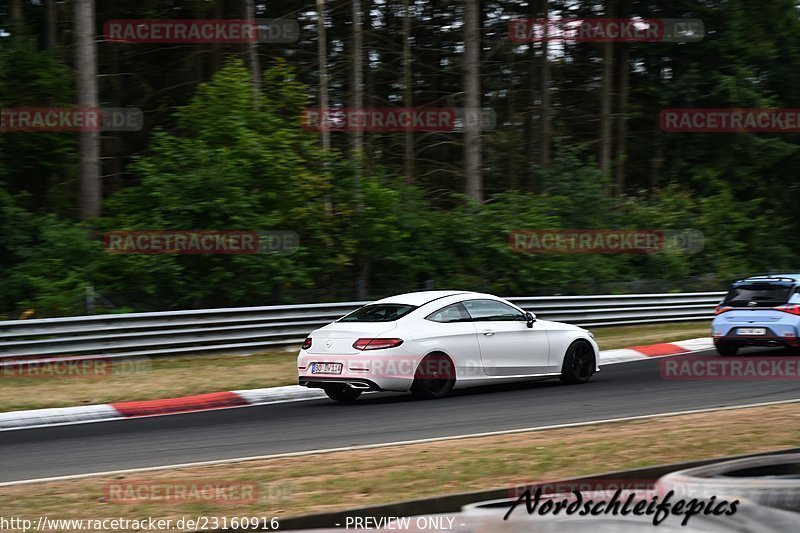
(530, 318)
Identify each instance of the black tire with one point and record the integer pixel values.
(342, 394)
(727, 350)
(434, 378)
(579, 363)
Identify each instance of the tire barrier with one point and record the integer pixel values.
(485, 510)
(772, 480)
(749, 516)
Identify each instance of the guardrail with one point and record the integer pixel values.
(252, 329)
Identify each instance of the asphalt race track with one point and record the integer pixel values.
(621, 390)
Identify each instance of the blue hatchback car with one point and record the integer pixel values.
(759, 311)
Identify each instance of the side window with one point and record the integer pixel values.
(451, 313)
(491, 310)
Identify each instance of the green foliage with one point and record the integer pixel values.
(231, 166)
(36, 162)
(47, 262)
(234, 161)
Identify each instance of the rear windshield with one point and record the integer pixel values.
(763, 294)
(378, 313)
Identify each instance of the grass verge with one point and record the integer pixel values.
(343, 480)
(627, 336)
(184, 376)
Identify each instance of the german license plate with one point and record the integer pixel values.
(326, 368)
(751, 331)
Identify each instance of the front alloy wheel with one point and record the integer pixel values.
(579, 363)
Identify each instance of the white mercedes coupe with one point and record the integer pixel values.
(432, 342)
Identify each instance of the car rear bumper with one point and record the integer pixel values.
(781, 328)
(318, 382)
(768, 340)
(366, 372)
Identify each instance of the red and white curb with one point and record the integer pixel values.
(636, 353)
(104, 412)
(221, 400)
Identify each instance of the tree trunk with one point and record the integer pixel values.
(605, 100)
(216, 48)
(472, 89)
(513, 179)
(322, 97)
(17, 16)
(358, 81)
(622, 122)
(86, 90)
(544, 115)
(531, 127)
(113, 146)
(657, 161)
(362, 278)
(322, 66)
(50, 24)
(198, 53)
(252, 54)
(369, 82)
(621, 155)
(408, 90)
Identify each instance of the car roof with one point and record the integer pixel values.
(775, 278)
(422, 297)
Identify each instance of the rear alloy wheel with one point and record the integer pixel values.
(434, 378)
(727, 350)
(342, 394)
(579, 363)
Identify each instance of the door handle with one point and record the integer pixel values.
(488, 332)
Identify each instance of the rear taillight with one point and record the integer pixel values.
(722, 309)
(376, 344)
(793, 309)
(306, 343)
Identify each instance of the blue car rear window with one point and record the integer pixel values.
(763, 294)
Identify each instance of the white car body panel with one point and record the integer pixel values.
(510, 352)
(513, 349)
(459, 338)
